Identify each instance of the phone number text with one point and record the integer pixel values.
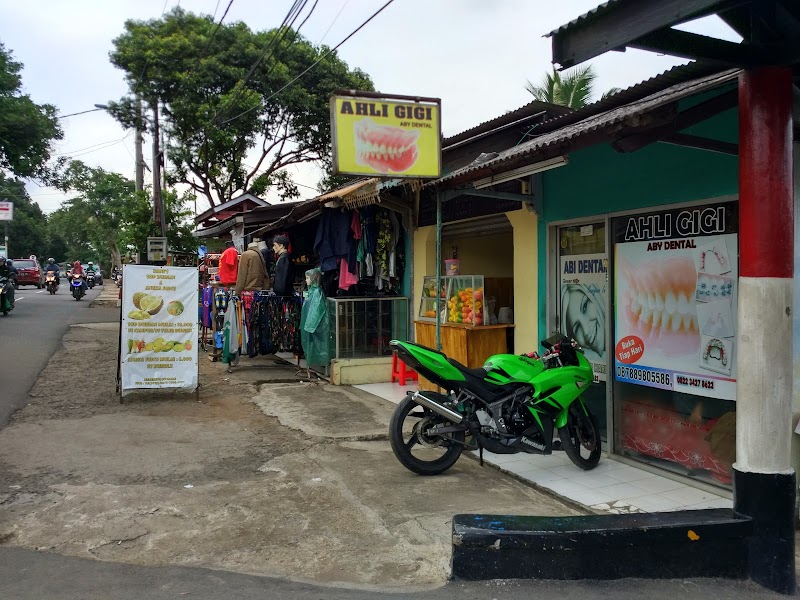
(644, 375)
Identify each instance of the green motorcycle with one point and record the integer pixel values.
(512, 404)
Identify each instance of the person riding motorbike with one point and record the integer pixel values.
(52, 266)
(77, 269)
(13, 271)
(6, 271)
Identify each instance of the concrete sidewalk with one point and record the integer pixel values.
(109, 296)
(264, 475)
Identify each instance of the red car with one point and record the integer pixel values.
(28, 271)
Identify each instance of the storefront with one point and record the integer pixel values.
(357, 236)
(651, 296)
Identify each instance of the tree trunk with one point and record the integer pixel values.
(116, 259)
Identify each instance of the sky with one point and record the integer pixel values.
(475, 55)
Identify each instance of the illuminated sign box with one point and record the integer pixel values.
(383, 136)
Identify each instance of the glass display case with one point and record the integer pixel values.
(463, 300)
(363, 327)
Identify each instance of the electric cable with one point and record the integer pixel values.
(336, 18)
(283, 29)
(319, 60)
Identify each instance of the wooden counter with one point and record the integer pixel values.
(470, 345)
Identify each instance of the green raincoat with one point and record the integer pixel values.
(314, 323)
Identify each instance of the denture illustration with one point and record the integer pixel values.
(659, 304)
(385, 148)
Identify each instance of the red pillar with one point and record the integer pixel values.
(764, 482)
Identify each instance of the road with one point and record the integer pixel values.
(32, 332)
(28, 575)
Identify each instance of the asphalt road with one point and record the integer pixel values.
(32, 332)
(28, 575)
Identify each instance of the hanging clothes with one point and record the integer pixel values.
(230, 333)
(315, 323)
(333, 237)
(393, 241)
(346, 278)
(284, 276)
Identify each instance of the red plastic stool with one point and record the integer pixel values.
(401, 371)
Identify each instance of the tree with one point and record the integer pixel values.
(221, 88)
(138, 223)
(27, 232)
(26, 129)
(94, 219)
(571, 88)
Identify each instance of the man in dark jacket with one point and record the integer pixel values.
(284, 269)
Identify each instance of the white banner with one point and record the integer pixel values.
(6, 211)
(159, 328)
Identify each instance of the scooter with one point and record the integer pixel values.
(513, 404)
(51, 282)
(77, 287)
(90, 279)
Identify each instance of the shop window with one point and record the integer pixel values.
(582, 303)
(675, 281)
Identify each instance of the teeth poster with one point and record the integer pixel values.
(159, 328)
(675, 295)
(583, 299)
(380, 137)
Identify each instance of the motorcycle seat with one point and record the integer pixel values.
(480, 373)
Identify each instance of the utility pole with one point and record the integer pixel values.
(158, 199)
(139, 142)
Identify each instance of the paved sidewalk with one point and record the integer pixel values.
(109, 296)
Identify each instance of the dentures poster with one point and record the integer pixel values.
(378, 137)
(675, 290)
(584, 297)
(159, 328)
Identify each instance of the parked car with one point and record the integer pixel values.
(28, 272)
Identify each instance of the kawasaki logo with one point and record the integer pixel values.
(532, 443)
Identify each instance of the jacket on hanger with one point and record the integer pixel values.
(252, 273)
(284, 276)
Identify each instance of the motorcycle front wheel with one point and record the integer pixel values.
(414, 447)
(580, 438)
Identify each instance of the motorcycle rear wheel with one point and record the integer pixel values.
(405, 435)
(580, 438)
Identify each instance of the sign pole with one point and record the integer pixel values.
(5, 229)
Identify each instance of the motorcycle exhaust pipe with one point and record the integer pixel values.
(448, 414)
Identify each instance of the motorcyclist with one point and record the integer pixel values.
(13, 272)
(52, 266)
(77, 269)
(6, 271)
(91, 267)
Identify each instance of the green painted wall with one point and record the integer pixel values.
(599, 180)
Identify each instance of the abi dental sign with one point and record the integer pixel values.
(385, 137)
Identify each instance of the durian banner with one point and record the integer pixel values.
(159, 328)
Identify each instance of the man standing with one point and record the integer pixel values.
(284, 269)
(229, 265)
(252, 271)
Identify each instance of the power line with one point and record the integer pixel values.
(336, 18)
(319, 60)
(294, 12)
(107, 142)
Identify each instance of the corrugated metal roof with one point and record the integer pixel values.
(597, 10)
(531, 108)
(572, 131)
(643, 89)
(348, 189)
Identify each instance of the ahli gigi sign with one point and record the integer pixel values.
(381, 137)
(675, 288)
(159, 328)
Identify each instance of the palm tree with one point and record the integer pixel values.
(570, 88)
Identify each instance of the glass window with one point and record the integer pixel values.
(675, 276)
(24, 263)
(582, 301)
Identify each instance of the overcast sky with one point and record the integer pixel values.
(473, 54)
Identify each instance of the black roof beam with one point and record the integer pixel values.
(626, 22)
(700, 47)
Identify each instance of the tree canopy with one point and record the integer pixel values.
(573, 88)
(221, 88)
(27, 232)
(27, 129)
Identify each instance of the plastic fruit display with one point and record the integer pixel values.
(466, 306)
